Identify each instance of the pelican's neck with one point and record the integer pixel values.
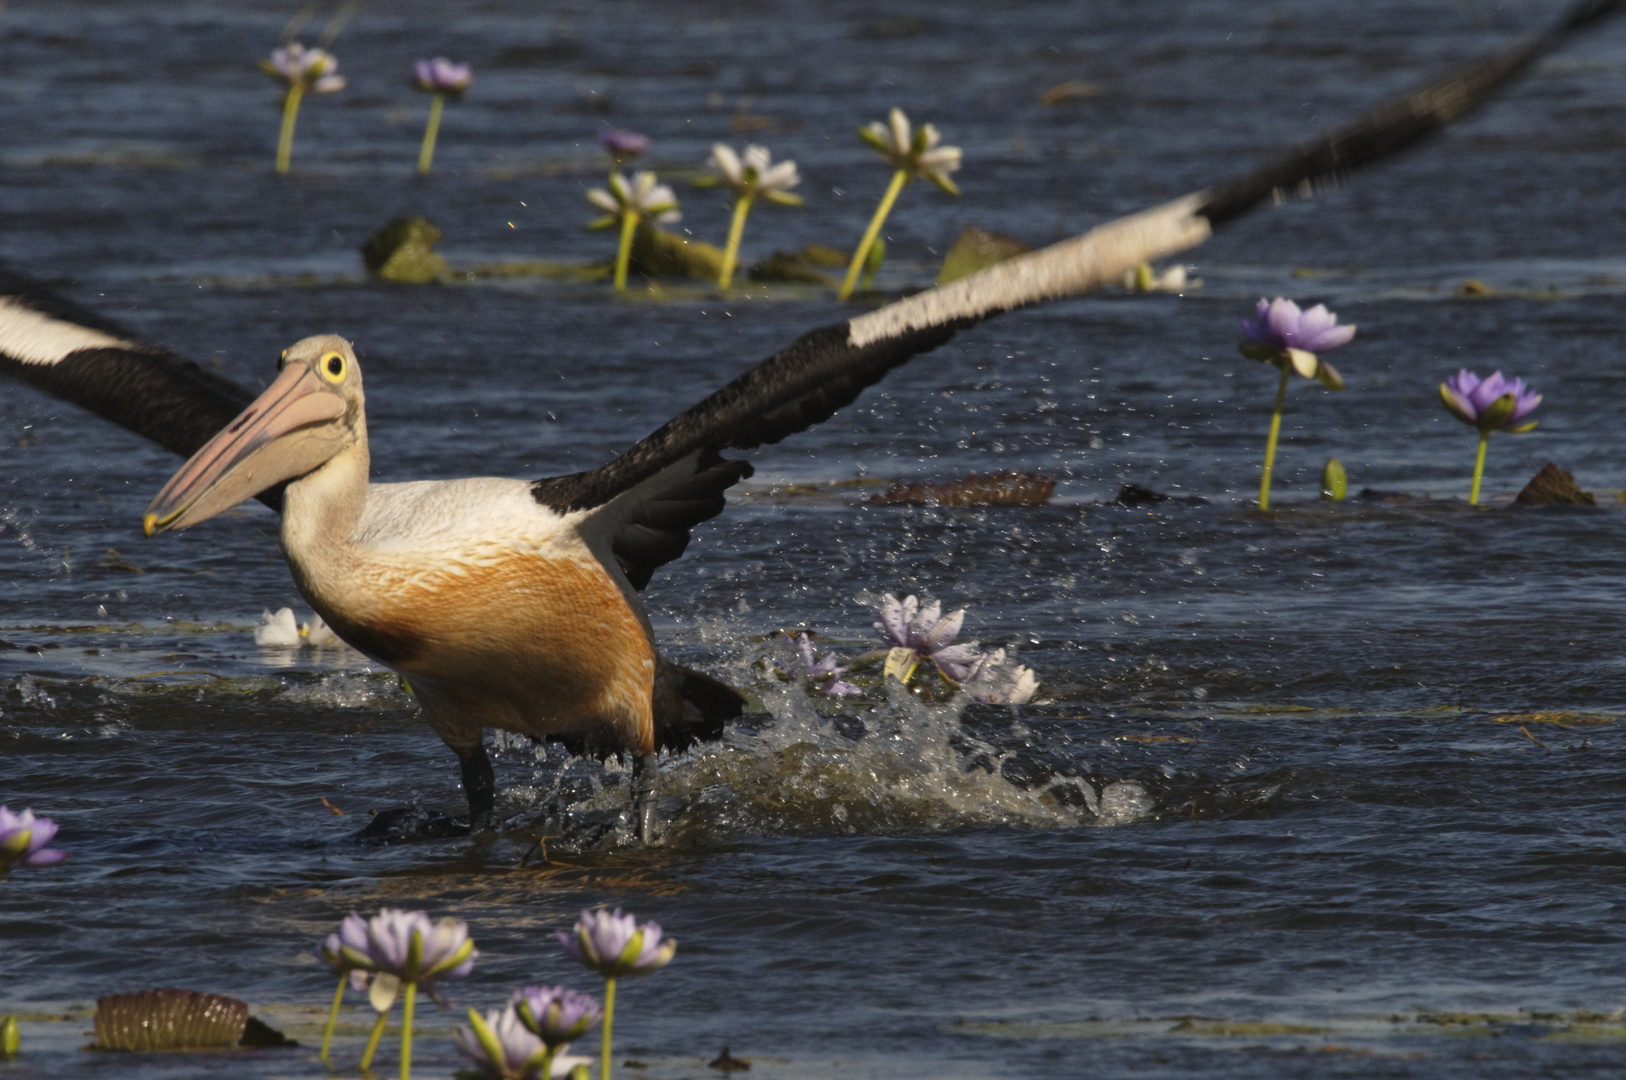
(320, 511)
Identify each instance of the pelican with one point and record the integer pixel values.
(513, 604)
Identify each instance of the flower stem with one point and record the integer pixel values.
(736, 229)
(333, 1017)
(623, 255)
(546, 1071)
(290, 113)
(899, 178)
(604, 1040)
(406, 1030)
(372, 1042)
(1479, 468)
(427, 153)
(1270, 442)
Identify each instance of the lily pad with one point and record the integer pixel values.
(169, 1019)
(404, 251)
(978, 249)
(659, 253)
(1557, 719)
(1553, 486)
(991, 489)
(814, 265)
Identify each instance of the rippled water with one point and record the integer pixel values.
(1332, 792)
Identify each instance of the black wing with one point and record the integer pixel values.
(72, 353)
(806, 382)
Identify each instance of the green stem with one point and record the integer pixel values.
(736, 229)
(899, 178)
(546, 1072)
(1479, 468)
(290, 112)
(372, 1042)
(623, 255)
(609, 1018)
(427, 153)
(406, 1030)
(1270, 441)
(333, 1017)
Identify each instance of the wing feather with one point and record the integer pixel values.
(826, 369)
(72, 353)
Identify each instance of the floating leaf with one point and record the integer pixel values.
(169, 1019)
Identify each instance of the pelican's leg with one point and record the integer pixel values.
(480, 785)
(646, 791)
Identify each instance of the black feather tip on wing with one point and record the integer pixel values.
(143, 388)
(1392, 126)
(800, 385)
(656, 531)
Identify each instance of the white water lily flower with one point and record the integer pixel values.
(990, 685)
(642, 195)
(915, 152)
(314, 71)
(1143, 278)
(278, 631)
(756, 175)
(317, 632)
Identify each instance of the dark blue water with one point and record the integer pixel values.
(1357, 768)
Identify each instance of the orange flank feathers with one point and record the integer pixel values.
(516, 641)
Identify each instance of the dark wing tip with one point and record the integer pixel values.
(1392, 126)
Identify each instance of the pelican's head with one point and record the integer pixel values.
(310, 413)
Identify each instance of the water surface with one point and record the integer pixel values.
(1355, 769)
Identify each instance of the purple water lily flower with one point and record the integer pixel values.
(928, 633)
(500, 1046)
(1280, 324)
(413, 949)
(23, 838)
(314, 71)
(614, 944)
(623, 144)
(441, 76)
(1478, 402)
(348, 948)
(824, 670)
(1279, 333)
(554, 1014)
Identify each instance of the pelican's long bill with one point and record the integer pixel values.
(291, 429)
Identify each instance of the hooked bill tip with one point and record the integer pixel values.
(148, 522)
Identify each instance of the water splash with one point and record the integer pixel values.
(350, 690)
(903, 764)
(801, 773)
(29, 689)
(14, 523)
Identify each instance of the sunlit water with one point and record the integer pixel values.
(1296, 791)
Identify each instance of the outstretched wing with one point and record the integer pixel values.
(675, 479)
(74, 354)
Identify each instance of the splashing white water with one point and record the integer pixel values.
(912, 767)
(798, 773)
(351, 690)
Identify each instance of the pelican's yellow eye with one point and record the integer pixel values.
(333, 367)
(283, 360)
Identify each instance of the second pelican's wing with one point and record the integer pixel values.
(675, 478)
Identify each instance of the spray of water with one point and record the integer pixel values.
(898, 764)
